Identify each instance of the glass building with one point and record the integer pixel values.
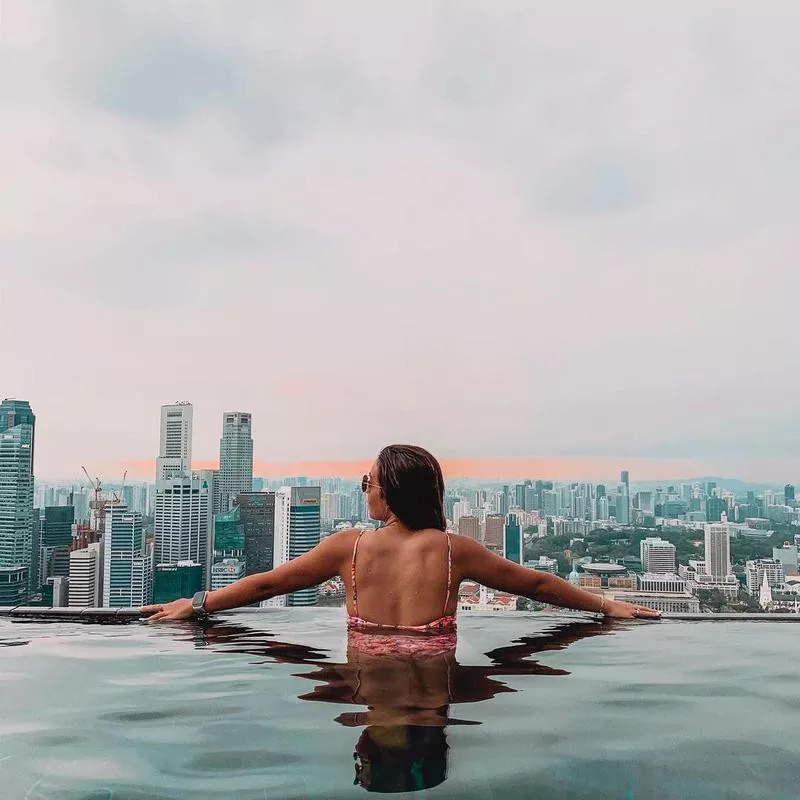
(17, 426)
(304, 533)
(512, 539)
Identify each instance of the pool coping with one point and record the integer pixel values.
(123, 615)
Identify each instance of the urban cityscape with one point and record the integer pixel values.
(683, 547)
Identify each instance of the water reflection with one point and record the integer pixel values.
(405, 699)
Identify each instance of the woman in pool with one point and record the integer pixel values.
(402, 578)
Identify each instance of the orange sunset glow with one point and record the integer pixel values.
(569, 468)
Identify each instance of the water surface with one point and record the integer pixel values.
(271, 705)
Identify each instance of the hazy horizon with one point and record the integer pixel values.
(551, 235)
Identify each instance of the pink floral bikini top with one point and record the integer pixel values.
(437, 635)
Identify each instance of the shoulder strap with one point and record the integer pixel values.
(353, 573)
(449, 572)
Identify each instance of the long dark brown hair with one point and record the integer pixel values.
(413, 486)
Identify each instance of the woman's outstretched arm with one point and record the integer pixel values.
(312, 568)
(475, 562)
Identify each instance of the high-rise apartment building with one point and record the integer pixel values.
(175, 442)
(469, 525)
(17, 427)
(757, 570)
(86, 576)
(127, 559)
(658, 555)
(493, 531)
(718, 549)
(461, 508)
(235, 458)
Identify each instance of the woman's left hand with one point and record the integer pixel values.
(177, 609)
(618, 609)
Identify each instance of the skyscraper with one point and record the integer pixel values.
(182, 516)
(127, 559)
(493, 531)
(55, 541)
(512, 540)
(85, 576)
(657, 555)
(257, 517)
(624, 499)
(181, 519)
(718, 549)
(17, 426)
(469, 526)
(175, 443)
(304, 533)
(788, 494)
(235, 458)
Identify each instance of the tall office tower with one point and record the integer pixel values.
(602, 508)
(36, 538)
(550, 502)
(85, 576)
(480, 498)
(657, 555)
(175, 442)
(80, 502)
(330, 507)
(17, 426)
(519, 495)
(235, 458)
(181, 521)
(715, 508)
(127, 559)
(624, 513)
(303, 529)
(529, 502)
(646, 502)
(788, 494)
(718, 549)
(469, 526)
(283, 505)
(770, 499)
(460, 509)
(513, 548)
(55, 542)
(600, 491)
(493, 531)
(257, 517)
(503, 501)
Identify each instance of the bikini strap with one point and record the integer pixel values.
(449, 572)
(353, 573)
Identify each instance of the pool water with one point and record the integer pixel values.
(269, 705)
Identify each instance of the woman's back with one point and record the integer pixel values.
(401, 578)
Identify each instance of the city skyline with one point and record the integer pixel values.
(498, 232)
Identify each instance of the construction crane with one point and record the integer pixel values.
(118, 498)
(98, 505)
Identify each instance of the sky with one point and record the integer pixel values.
(524, 234)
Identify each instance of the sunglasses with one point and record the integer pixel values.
(365, 482)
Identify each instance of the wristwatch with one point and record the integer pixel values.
(198, 605)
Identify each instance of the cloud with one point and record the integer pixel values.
(503, 233)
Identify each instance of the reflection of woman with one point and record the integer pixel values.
(408, 698)
(402, 578)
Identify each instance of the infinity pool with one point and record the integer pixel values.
(267, 705)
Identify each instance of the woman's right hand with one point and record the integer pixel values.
(176, 610)
(619, 609)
